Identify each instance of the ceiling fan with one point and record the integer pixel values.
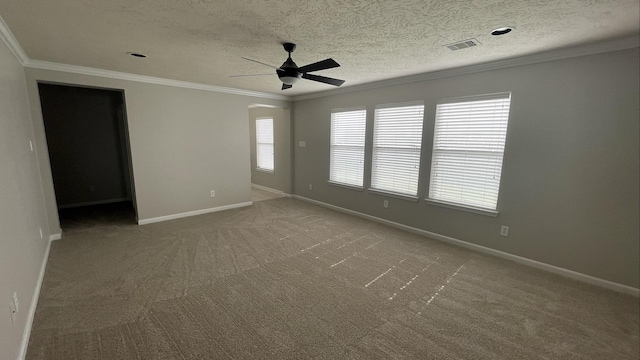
(289, 73)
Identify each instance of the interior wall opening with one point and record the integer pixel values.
(271, 152)
(89, 153)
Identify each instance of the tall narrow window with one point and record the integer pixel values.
(264, 144)
(347, 147)
(397, 139)
(468, 147)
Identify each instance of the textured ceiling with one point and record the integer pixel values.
(203, 41)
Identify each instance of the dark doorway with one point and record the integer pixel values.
(88, 148)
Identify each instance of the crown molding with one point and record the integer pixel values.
(558, 54)
(17, 50)
(12, 43)
(82, 70)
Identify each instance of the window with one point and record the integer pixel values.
(468, 146)
(264, 144)
(397, 138)
(347, 147)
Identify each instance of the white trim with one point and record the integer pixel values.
(558, 54)
(7, 36)
(34, 303)
(459, 207)
(552, 55)
(18, 52)
(346, 186)
(254, 106)
(394, 194)
(192, 213)
(46, 65)
(400, 104)
(97, 202)
(348, 109)
(515, 258)
(279, 192)
(54, 237)
(470, 98)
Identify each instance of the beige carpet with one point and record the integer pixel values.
(284, 279)
(262, 195)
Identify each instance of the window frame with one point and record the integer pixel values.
(416, 151)
(501, 132)
(272, 146)
(337, 181)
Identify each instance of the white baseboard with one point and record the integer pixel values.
(53, 237)
(97, 202)
(34, 303)
(515, 258)
(192, 213)
(279, 192)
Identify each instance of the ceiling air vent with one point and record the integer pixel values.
(463, 44)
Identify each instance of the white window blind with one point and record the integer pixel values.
(347, 147)
(468, 147)
(264, 144)
(397, 139)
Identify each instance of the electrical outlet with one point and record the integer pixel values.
(213, 193)
(310, 187)
(504, 230)
(385, 204)
(302, 143)
(92, 188)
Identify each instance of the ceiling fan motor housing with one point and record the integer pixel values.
(288, 72)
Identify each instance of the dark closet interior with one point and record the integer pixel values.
(88, 148)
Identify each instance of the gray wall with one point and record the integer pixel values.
(86, 144)
(21, 205)
(184, 143)
(280, 179)
(570, 184)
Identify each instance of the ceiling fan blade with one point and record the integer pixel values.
(251, 75)
(286, 86)
(320, 65)
(259, 62)
(323, 79)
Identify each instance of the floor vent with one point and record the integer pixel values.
(463, 44)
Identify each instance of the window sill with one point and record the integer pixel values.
(346, 186)
(265, 171)
(393, 194)
(470, 209)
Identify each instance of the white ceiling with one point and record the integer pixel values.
(202, 41)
